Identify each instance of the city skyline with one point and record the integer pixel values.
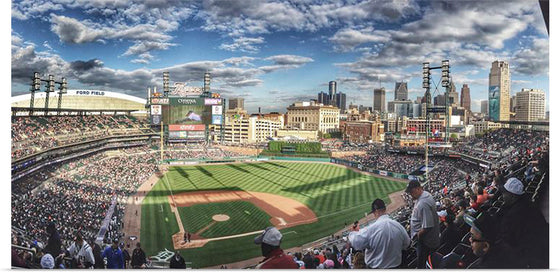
(275, 53)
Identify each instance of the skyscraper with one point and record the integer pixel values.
(453, 95)
(466, 97)
(323, 98)
(401, 91)
(439, 100)
(484, 107)
(498, 91)
(332, 92)
(379, 99)
(236, 103)
(530, 105)
(341, 101)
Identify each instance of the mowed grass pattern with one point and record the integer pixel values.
(337, 195)
(244, 217)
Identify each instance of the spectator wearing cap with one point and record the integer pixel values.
(81, 253)
(114, 255)
(383, 241)
(485, 245)
(523, 226)
(424, 222)
(275, 258)
(47, 261)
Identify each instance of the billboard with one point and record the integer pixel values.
(159, 101)
(216, 110)
(217, 119)
(156, 120)
(187, 127)
(187, 135)
(212, 101)
(494, 102)
(155, 110)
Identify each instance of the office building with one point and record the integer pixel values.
(332, 93)
(484, 107)
(466, 97)
(530, 105)
(236, 103)
(379, 99)
(323, 98)
(311, 116)
(401, 91)
(498, 91)
(453, 95)
(341, 101)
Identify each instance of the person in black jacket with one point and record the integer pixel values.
(54, 243)
(523, 227)
(450, 236)
(138, 257)
(177, 261)
(99, 264)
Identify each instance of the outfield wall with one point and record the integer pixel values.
(371, 170)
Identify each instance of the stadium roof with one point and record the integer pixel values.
(81, 92)
(84, 99)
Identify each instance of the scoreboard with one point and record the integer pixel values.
(186, 118)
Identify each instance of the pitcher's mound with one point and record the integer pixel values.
(220, 217)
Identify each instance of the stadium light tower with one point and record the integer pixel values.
(445, 83)
(426, 77)
(50, 89)
(62, 89)
(35, 86)
(165, 84)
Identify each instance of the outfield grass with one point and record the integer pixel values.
(337, 196)
(244, 217)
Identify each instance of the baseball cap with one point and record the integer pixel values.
(513, 185)
(485, 224)
(411, 185)
(47, 261)
(270, 236)
(377, 204)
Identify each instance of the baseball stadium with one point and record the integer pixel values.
(155, 176)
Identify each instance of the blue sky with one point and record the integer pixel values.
(273, 53)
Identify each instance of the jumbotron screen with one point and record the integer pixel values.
(187, 111)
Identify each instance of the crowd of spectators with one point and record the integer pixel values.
(78, 200)
(35, 134)
(380, 158)
(497, 144)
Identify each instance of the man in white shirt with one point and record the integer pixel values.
(383, 240)
(81, 252)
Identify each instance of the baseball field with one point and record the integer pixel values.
(223, 207)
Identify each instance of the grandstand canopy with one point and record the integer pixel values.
(84, 99)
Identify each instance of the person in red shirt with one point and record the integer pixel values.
(275, 258)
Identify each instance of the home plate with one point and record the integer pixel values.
(282, 221)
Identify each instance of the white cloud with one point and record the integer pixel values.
(347, 39)
(70, 30)
(244, 44)
(289, 59)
